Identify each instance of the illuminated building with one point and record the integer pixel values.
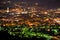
(7, 9)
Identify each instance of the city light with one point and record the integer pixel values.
(30, 19)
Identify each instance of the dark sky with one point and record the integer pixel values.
(45, 3)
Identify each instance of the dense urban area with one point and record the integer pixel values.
(30, 20)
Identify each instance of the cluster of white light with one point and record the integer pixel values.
(24, 12)
(58, 21)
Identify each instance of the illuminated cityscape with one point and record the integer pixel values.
(23, 15)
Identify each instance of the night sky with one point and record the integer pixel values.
(45, 3)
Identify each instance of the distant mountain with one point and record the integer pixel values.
(43, 3)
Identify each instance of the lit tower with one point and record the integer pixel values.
(7, 9)
(24, 9)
